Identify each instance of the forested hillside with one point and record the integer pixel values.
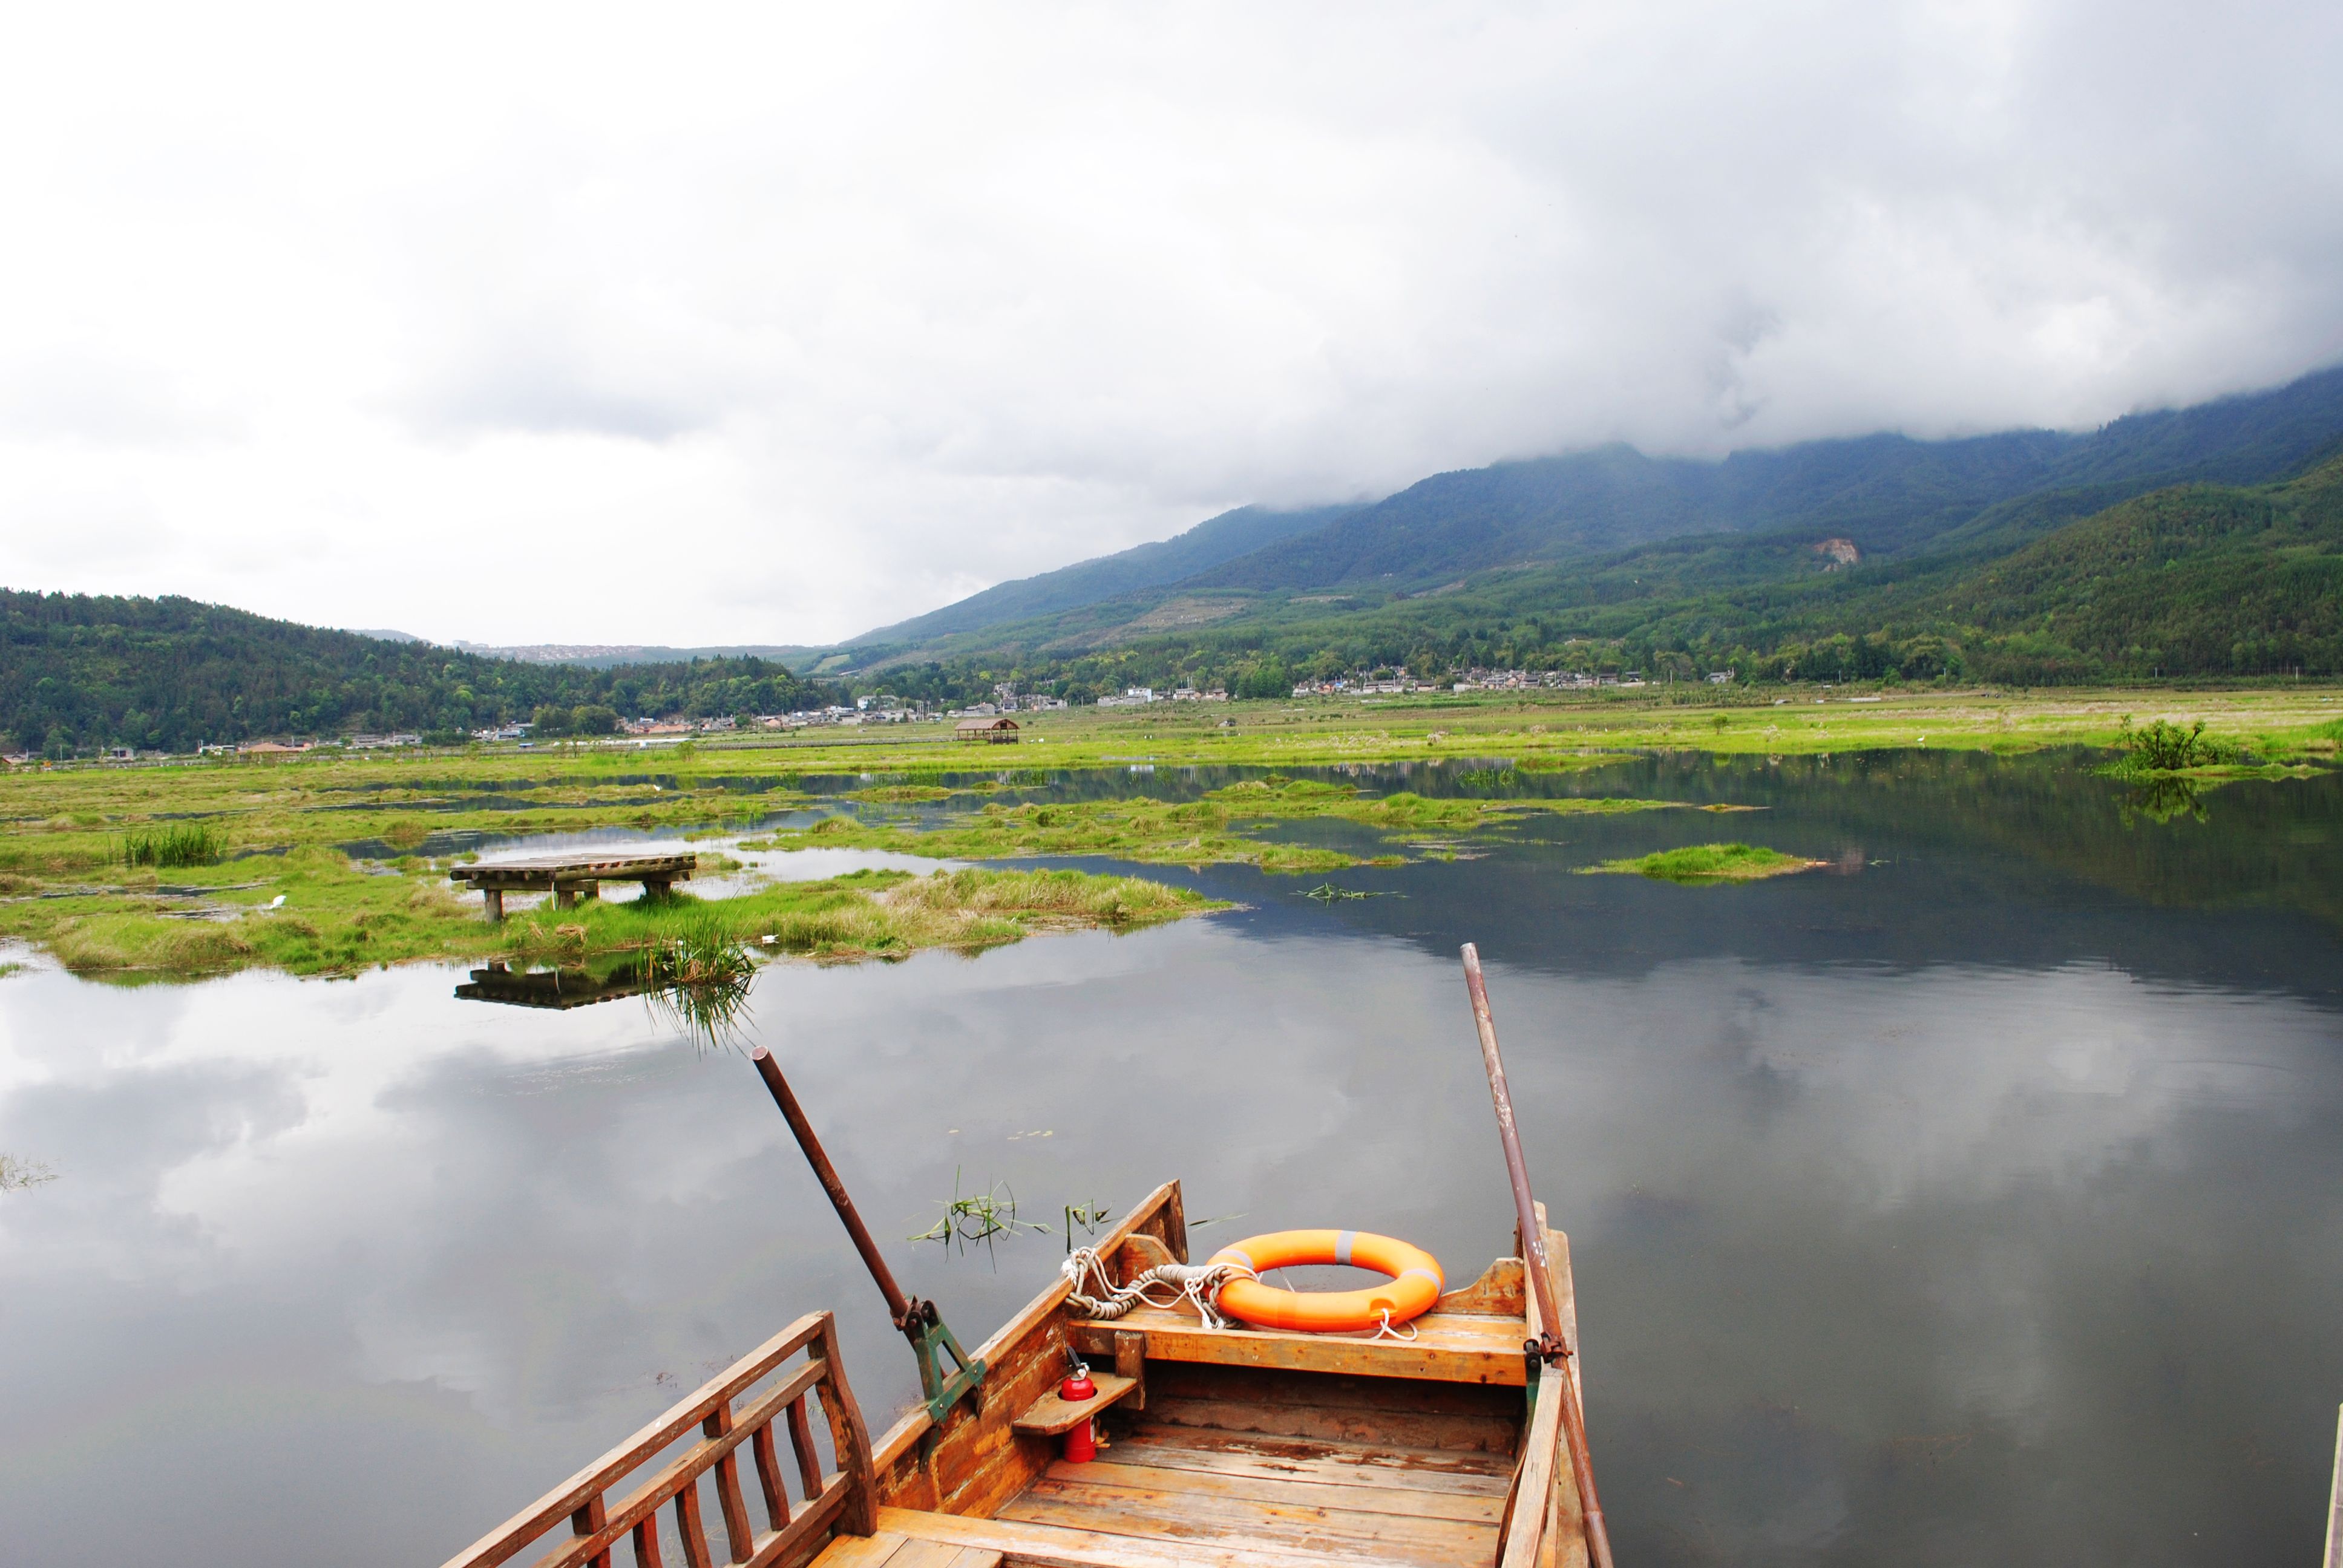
(170, 673)
(2190, 580)
(1888, 494)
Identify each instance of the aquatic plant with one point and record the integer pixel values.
(1089, 1217)
(978, 1217)
(176, 844)
(1327, 892)
(1704, 863)
(16, 1174)
(699, 975)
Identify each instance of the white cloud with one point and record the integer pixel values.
(765, 325)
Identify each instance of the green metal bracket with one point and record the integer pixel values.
(943, 1391)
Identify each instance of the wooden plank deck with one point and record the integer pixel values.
(1234, 1465)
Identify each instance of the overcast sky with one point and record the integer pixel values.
(772, 324)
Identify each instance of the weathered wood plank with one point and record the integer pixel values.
(1050, 1415)
(1178, 1380)
(1235, 1454)
(1541, 1454)
(933, 1554)
(861, 1551)
(1499, 1293)
(1057, 1547)
(579, 867)
(1119, 1466)
(1185, 1516)
(1130, 1361)
(1446, 1349)
(1397, 1429)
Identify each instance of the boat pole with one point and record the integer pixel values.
(917, 1320)
(1549, 1348)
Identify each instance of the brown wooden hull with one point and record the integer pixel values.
(1229, 1447)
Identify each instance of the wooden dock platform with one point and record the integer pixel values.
(569, 878)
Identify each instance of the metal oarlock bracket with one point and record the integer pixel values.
(929, 1334)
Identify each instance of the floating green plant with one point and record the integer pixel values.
(1705, 863)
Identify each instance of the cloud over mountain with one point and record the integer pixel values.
(816, 319)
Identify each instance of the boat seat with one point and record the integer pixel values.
(1447, 1346)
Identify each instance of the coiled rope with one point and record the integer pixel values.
(1198, 1284)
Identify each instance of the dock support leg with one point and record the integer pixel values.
(495, 898)
(564, 896)
(657, 887)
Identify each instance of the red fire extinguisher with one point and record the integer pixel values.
(1081, 1438)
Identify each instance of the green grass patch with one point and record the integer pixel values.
(175, 844)
(1702, 864)
(1232, 825)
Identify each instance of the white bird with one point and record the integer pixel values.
(277, 902)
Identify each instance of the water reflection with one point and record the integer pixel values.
(560, 989)
(2162, 798)
(1986, 1204)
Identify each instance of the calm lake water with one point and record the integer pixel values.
(1979, 1200)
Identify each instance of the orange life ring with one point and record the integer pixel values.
(1414, 1285)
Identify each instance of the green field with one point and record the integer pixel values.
(176, 869)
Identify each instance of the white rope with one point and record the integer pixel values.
(1199, 1284)
(1387, 1331)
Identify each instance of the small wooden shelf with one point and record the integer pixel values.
(1051, 1415)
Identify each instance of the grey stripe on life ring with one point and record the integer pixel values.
(1437, 1282)
(1342, 1239)
(1239, 1255)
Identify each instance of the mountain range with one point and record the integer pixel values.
(1613, 546)
(2191, 542)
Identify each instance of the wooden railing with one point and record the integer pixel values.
(844, 1498)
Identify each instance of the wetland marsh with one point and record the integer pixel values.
(1973, 1194)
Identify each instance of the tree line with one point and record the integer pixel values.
(80, 672)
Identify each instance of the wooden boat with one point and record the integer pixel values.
(1222, 1446)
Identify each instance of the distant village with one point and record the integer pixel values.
(884, 708)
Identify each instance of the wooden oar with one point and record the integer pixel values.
(917, 1320)
(1548, 1346)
